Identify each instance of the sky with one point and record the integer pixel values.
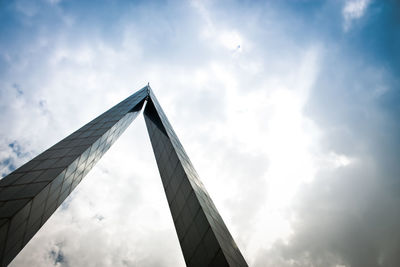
(288, 110)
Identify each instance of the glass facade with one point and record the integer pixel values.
(32, 193)
(203, 235)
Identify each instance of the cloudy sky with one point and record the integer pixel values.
(289, 111)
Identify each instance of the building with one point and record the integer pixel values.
(31, 194)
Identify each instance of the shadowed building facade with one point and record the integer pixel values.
(32, 193)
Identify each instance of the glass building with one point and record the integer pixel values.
(32, 193)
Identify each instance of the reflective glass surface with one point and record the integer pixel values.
(203, 235)
(30, 194)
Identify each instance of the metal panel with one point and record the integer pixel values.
(203, 236)
(30, 194)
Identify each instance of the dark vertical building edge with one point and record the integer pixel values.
(203, 235)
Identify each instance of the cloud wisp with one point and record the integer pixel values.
(353, 10)
(287, 111)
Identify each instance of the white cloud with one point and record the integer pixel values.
(353, 10)
(240, 116)
(246, 135)
(231, 40)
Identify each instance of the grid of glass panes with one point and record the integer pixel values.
(31, 194)
(203, 235)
